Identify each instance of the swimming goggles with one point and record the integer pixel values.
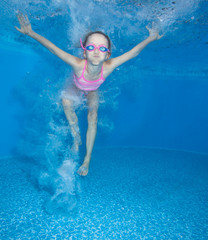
(92, 47)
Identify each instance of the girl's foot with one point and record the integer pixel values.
(83, 170)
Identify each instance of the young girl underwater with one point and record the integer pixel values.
(89, 74)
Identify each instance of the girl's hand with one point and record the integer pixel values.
(153, 33)
(24, 24)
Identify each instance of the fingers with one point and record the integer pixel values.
(23, 20)
(27, 20)
(161, 36)
(154, 31)
(19, 18)
(18, 29)
(153, 24)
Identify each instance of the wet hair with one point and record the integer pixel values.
(99, 32)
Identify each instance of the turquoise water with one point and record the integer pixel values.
(148, 174)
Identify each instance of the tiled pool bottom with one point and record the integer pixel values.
(130, 193)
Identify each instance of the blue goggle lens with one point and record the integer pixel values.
(103, 49)
(90, 47)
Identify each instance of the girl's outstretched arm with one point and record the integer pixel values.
(27, 30)
(115, 62)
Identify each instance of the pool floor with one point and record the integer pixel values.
(130, 193)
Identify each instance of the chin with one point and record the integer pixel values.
(96, 62)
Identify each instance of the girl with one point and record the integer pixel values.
(89, 74)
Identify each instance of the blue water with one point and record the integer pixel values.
(148, 174)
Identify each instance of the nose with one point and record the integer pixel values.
(96, 50)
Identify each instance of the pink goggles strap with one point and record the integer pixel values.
(82, 44)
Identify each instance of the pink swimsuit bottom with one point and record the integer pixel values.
(86, 85)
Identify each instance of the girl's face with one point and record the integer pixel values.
(96, 57)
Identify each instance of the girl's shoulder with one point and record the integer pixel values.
(79, 63)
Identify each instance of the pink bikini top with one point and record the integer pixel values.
(86, 85)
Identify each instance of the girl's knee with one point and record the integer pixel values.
(92, 117)
(66, 102)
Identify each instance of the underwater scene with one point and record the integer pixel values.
(104, 124)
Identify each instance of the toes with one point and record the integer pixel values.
(82, 171)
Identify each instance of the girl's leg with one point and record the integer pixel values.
(73, 122)
(93, 103)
